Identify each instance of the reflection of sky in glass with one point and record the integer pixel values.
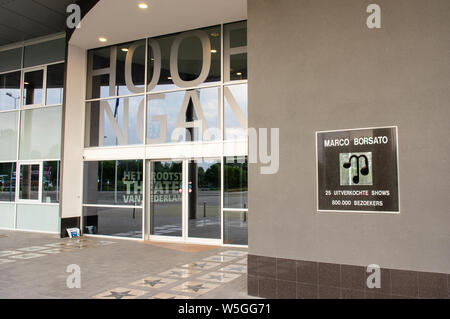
(8, 102)
(171, 107)
(40, 133)
(54, 96)
(8, 135)
(134, 137)
(233, 129)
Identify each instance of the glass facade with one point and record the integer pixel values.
(113, 195)
(166, 96)
(31, 97)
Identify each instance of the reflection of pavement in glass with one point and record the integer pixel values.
(235, 199)
(204, 228)
(118, 221)
(168, 222)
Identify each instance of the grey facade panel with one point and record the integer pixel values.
(314, 66)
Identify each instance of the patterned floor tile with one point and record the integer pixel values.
(201, 265)
(195, 287)
(242, 269)
(234, 253)
(179, 273)
(163, 295)
(52, 251)
(219, 258)
(120, 293)
(6, 261)
(27, 256)
(6, 253)
(32, 249)
(153, 282)
(219, 277)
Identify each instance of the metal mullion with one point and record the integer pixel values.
(206, 86)
(44, 87)
(222, 132)
(185, 201)
(235, 82)
(10, 71)
(145, 213)
(113, 97)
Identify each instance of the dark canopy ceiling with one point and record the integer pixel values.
(26, 19)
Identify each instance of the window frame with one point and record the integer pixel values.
(24, 106)
(18, 184)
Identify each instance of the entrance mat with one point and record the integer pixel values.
(190, 248)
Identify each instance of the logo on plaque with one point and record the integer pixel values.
(355, 168)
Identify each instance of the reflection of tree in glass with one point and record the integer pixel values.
(107, 174)
(235, 177)
(209, 179)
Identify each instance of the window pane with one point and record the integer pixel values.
(10, 60)
(115, 122)
(204, 199)
(235, 229)
(29, 182)
(170, 114)
(235, 182)
(113, 183)
(121, 222)
(235, 43)
(50, 182)
(32, 87)
(8, 135)
(55, 84)
(190, 57)
(236, 112)
(128, 65)
(135, 53)
(45, 52)
(7, 182)
(9, 91)
(40, 133)
(166, 202)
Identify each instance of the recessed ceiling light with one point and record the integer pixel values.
(213, 51)
(124, 49)
(215, 34)
(143, 5)
(169, 78)
(102, 39)
(239, 73)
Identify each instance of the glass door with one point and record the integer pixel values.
(166, 199)
(190, 216)
(204, 199)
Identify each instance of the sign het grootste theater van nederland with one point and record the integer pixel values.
(357, 170)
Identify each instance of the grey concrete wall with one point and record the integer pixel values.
(311, 64)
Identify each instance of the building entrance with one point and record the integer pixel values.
(184, 201)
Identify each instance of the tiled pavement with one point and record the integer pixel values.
(34, 266)
(186, 281)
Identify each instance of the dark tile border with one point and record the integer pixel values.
(281, 278)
